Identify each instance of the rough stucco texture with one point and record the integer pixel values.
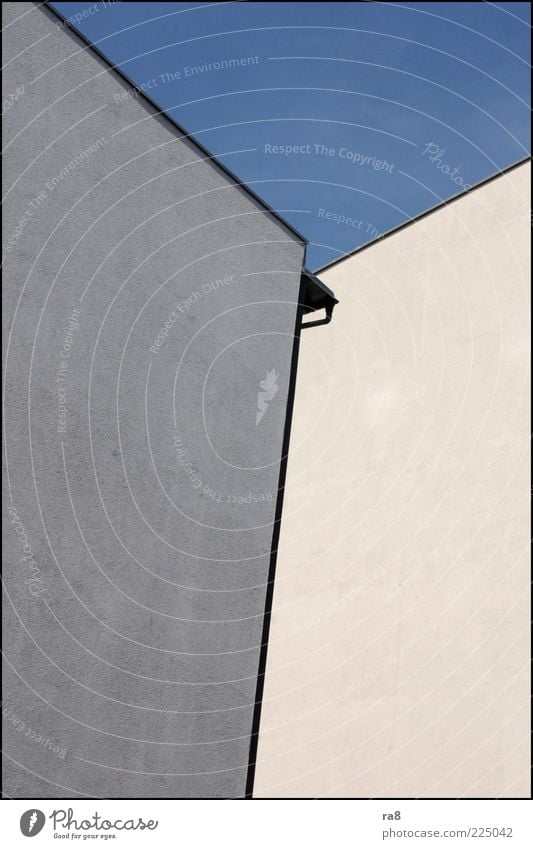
(139, 487)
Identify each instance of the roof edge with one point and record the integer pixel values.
(316, 296)
(423, 214)
(164, 114)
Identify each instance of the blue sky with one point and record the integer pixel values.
(347, 118)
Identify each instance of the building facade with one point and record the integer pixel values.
(398, 661)
(152, 312)
(153, 308)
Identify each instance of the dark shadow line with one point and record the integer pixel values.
(260, 686)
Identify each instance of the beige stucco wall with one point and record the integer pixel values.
(399, 644)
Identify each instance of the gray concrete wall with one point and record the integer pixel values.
(145, 298)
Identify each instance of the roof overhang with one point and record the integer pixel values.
(316, 297)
